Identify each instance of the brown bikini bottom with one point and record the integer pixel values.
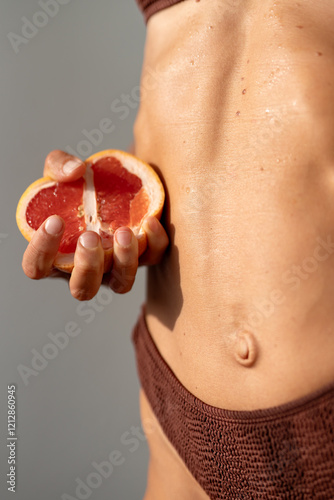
(283, 452)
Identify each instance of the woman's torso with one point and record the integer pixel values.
(237, 115)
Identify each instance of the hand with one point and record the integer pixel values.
(87, 275)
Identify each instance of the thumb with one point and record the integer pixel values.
(63, 167)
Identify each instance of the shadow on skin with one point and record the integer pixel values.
(164, 294)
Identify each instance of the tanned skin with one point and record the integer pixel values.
(241, 127)
(237, 116)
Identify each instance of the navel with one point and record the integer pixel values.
(245, 348)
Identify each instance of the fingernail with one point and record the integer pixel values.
(89, 240)
(124, 237)
(54, 225)
(71, 165)
(152, 223)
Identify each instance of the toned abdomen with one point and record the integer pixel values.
(238, 117)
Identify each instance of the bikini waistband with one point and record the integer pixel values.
(286, 451)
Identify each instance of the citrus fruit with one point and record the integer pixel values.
(117, 190)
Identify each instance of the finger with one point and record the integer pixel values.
(38, 258)
(87, 273)
(125, 260)
(157, 242)
(63, 167)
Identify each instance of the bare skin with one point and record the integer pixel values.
(237, 115)
(240, 123)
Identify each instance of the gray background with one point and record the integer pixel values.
(75, 410)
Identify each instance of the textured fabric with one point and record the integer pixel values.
(150, 7)
(284, 452)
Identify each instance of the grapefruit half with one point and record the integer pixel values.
(117, 190)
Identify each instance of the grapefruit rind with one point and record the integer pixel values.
(144, 171)
(28, 194)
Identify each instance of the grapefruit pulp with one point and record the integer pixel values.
(117, 190)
